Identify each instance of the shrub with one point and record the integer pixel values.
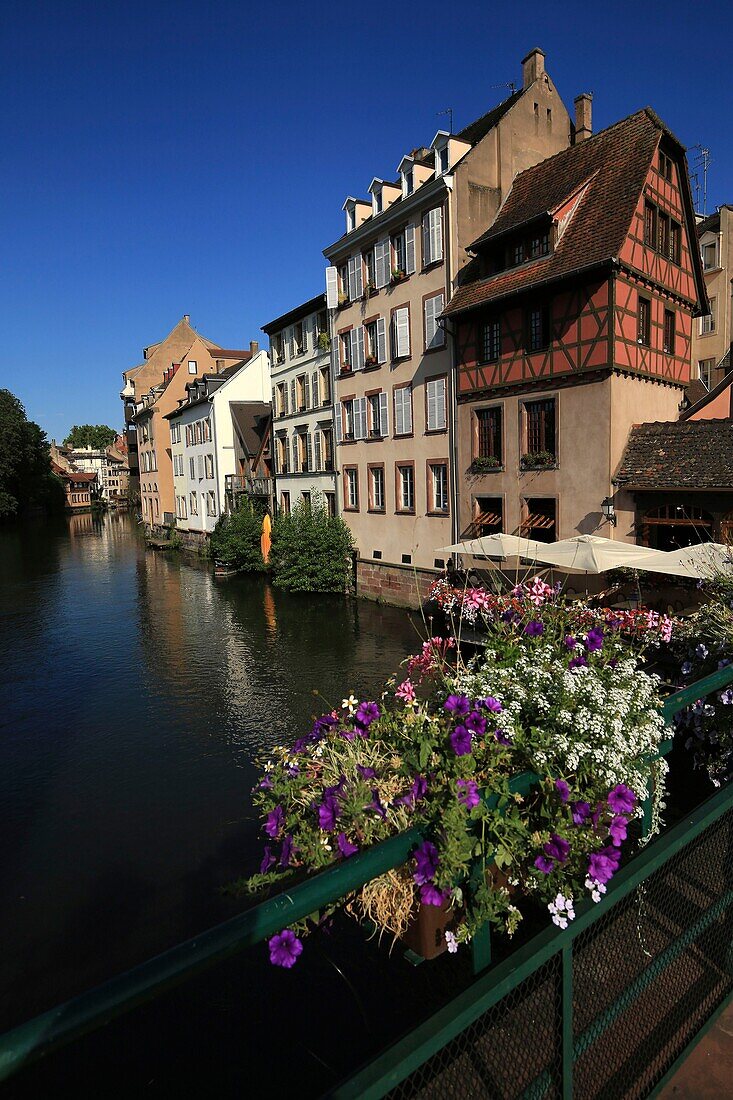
(236, 539)
(311, 550)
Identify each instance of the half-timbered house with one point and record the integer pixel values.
(572, 323)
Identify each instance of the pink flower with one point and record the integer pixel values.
(406, 692)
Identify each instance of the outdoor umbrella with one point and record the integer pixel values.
(495, 546)
(701, 561)
(592, 554)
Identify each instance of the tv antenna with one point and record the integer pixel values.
(701, 164)
(448, 111)
(508, 84)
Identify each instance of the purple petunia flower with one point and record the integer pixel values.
(594, 639)
(476, 723)
(365, 773)
(266, 784)
(284, 948)
(557, 848)
(376, 805)
(268, 860)
(286, 851)
(468, 793)
(328, 811)
(419, 787)
(431, 895)
(542, 863)
(617, 830)
(367, 713)
(621, 799)
(460, 741)
(491, 704)
(534, 629)
(502, 738)
(577, 662)
(346, 847)
(426, 859)
(580, 811)
(603, 865)
(562, 789)
(458, 705)
(274, 822)
(570, 642)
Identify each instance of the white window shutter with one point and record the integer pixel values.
(317, 449)
(293, 397)
(295, 452)
(352, 278)
(383, 415)
(381, 341)
(426, 256)
(410, 250)
(359, 348)
(431, 403)
(402, 331)
(407, 408)
(399, 416)
(358, 276)
(335, 361)
(315, 395)
(429, 322)
(307, 391)
(352, 351)
(305, 334)
(332, 288)
(436, 233)
(381, 263)
(286, 399)
(338, 423)
(440, 403)
(309, 450)
(363, 429)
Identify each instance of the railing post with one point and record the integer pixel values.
(567, 1021)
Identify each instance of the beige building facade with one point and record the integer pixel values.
(391, 275)
(713, 333)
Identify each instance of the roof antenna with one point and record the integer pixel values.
(703, 162)
(508, 84)
(447, 111)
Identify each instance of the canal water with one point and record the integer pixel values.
(137, 694)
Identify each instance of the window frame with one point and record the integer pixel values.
(443, 377)
(372, 468)
(524, 429)
(395, 433)
(669, 332)
(483, 324)
(432, 510)
(544, 309)
(495, 407)
(348, 470)
(404, 464)
(643, 327)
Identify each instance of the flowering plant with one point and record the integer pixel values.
(558, 693)
(703, 645)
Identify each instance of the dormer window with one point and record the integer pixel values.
(377, 202)
(408, 184)
(539, 245)
(443, 160)
(350, 219)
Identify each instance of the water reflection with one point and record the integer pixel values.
(137, 692)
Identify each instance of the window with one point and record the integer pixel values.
(345, 341)
(644, 325)
(303, 392)
(707, 323)
(348, 421)
(538, 328)
(377, 199)
(438, 487)
(210, 504)
(306, 497)
(192, 468)
(376, 489)
(355, 277)
(435, 401)
(663, 233)
(351, 488)
(375, 343)
(368, 259)
(181, 512)
(398, 254)
(209, 466)
(375, 431)
(192, 366)
(539, 427)
(382, 270)
(487, 438)
(175, 433)
(650, 224)
(665, 166)
(325, 386)
(403, 410)
(406, 488)
(539, 246)
(675, 242)
(442, 162)
(434, 334)
(490, 348)
(488, 515)
(299, 338)
(343, 277)
(278, 347)
(285, 503)
(330, 503)
(409, 184)
(327, 437)
(668, 344)
(516, 254)
(705, 369)
(432, 236)
(539, 520)
(401, 333)
(709, 256)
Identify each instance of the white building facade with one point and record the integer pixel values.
(302, 405)
(202, 439)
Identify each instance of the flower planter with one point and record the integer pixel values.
(426, 932)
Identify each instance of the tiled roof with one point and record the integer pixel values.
(698, 396)
(613, 164)
(313, 305)
(227, 353)
(690, 454)
(251, 419)
(477, 130)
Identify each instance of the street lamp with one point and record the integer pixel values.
(609, 511)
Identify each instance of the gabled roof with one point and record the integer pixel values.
(691, 454)
(611, 167)
(313, 305)
(701, 397)
(251, 419)
(477, 130)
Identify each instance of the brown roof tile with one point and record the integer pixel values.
(691, 454)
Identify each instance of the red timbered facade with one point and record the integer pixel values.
(574, 324)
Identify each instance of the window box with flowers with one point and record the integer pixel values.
(323, 342)
(370, 360)
(398, 276)
(523, 770)
(540, 460)
(486, 465)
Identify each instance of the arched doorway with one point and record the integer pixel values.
(671, 526)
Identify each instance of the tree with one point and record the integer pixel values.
(25, 468)
(236, 538)
(97, 436)
(311, 550)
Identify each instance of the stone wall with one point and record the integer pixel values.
(401, 585)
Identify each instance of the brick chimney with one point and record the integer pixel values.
(583, 116)
(533, 66)
(254, 347)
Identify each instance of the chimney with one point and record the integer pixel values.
(254, 347)
(583, 116)
(187, 318)
(533, 66)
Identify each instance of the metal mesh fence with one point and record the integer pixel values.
(646, 976)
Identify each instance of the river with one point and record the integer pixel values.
(138, 693)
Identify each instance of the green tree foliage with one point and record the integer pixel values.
(236, 539)
(98, 436)
(311, 550)
(25, 470)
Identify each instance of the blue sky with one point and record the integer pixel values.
(164, 158)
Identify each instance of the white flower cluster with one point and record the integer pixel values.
(562, 910)
(597, 889)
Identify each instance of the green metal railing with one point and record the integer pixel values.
(52, 1029)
